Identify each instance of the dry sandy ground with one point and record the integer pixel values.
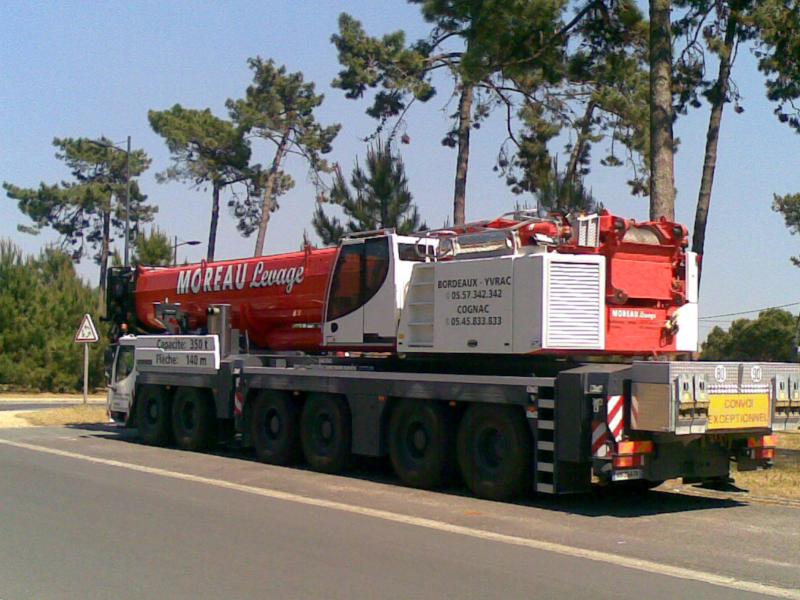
(16, 419)
(13, 419)
(68, 415)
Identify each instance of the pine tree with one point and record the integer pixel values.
(379, 198)
(279, 107)
(778, 53)
(562, 191)
(90, 210)
(42, 301)
(153, 249)
(662, 145)
(770, 337)
(205, 150)
(471, 41)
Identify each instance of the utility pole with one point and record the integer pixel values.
(127, 201)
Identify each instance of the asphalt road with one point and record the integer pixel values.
(92, 514)
(9, 406)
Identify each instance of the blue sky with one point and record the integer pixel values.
(91, 69)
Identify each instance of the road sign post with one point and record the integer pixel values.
(86, 334)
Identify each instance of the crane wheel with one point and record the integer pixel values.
(153, 416)
(325, 430)
(274, 427)
(194, 418)
(420, 443)
(494, 451)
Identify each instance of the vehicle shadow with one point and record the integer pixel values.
(601, 502)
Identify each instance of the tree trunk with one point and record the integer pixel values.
(266, 204)
(580, 143)
(462, 162)
(662, 178)
(212, 230)
(104, 252)
(719, 97)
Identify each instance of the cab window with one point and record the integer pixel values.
(124, 363)
(360, 272)
(415, 252)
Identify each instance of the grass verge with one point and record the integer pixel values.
(71, 415)
(782, 480)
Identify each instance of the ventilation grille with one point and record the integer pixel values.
(574, 306)
(589, 231)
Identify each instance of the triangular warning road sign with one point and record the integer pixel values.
(87, 333)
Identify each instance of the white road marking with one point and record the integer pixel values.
(571, 551)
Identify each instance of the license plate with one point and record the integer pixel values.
(738, 411)
(627, 475)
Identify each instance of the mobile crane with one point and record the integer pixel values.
(525, 352)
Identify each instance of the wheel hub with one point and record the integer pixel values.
(187, 416)
(420, 439)
(491, 449)
(273, 424)
(326, 429)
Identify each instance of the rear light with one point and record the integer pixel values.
(630, 454)
(765, 453)
(766, 441)
(628, 462)
(762, 447)
(635, 447)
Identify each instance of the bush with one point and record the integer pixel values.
(42, 301)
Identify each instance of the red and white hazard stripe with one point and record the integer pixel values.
(238, 404)
(599, 439)
(616, 421)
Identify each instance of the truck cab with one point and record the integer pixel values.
(368, 288)
(122, 380)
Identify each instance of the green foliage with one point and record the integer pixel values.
(88, 211)
(42, 301)
(770, 337)
(402, 73)
(558, 191)
(701, 30)
(379, 198)
(205, 149)
(778, 52)
(487, 48)
(153, 250)
(789, 207)
(591, 80)
(278, 107)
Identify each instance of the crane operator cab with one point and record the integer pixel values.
(368, 287)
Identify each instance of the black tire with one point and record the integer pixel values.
(494, 451)
(153, 416)
(274, 428)
(325, 431)
(420, 443)
(194, 418)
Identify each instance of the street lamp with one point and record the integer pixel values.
(127, 152)
(175, 248)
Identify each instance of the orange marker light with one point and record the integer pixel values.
(634, 448)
